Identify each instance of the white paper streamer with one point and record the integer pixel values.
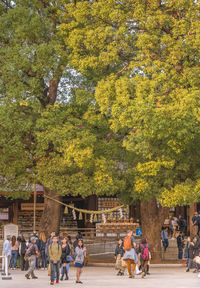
(91, 218)
(74, 214)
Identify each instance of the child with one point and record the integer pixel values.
(80, 253)
(119, 253)
(55, 252)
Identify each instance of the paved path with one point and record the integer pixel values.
(105, 277)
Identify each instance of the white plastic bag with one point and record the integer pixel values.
(137, 271)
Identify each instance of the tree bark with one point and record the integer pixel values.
(152, 219)
(50, 220)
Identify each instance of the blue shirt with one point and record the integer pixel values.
(6, 248)
(164, 235)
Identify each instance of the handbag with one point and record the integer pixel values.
(69, 258)
(26, 257)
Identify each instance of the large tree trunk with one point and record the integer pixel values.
(50, 220)
(152, 219)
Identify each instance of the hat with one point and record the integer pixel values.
(33, 239)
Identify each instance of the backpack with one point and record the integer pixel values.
(145, 255)
(127, 243)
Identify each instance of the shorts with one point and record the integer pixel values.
(78, 265)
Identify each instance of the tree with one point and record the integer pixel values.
(145, 59)
(51, 130)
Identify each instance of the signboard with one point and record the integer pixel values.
(110, 204)
(30, 206)
(139, 232)
(4, 215)
(11, 230)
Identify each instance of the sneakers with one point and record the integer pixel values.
(188, 270)
(61, 278)
(143, 274)
(27, 276)
(51, 283)
(34, 277)
(132, 276)
(57, 281)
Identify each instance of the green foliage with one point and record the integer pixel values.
(145, 60)
(129, 124)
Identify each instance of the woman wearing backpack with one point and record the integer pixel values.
(144, 252)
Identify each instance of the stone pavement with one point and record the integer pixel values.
(105, 277)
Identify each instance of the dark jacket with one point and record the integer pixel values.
(190, 251)
(119, 250)
(180, 241)
(65, 252)
(197, 246)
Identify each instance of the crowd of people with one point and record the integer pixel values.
(136, 257)
(54, 254)
(186, 249)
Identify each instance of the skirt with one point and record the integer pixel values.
(78, 265)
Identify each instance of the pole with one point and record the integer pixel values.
(34, 208)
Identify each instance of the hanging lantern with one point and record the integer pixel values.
(127, 210)
(95, 218)
(80, 216)
(111, 217)
(104, 218)
(66, 211)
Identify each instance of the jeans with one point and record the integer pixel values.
(180, 253)
(55, 270)
(13, 260)
(67, 269)
(44, 259)
(165, 244)
(31, 261)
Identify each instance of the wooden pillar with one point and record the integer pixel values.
(191, 209)
(15, 212)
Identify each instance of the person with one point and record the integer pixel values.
(7, 249)
(164, 237)
(14, 252)
(64, 262)
(175, 227)
(42, 245)
(119, 253)
(190, 253)
(196, 242)
(78, 237)
(31, 253)
(144, 253)
(180, 245)
(80, 253)
(195, 220)
(22, 251)
(182, 224)
(48, 243)
(55, 252)
(130, 255)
